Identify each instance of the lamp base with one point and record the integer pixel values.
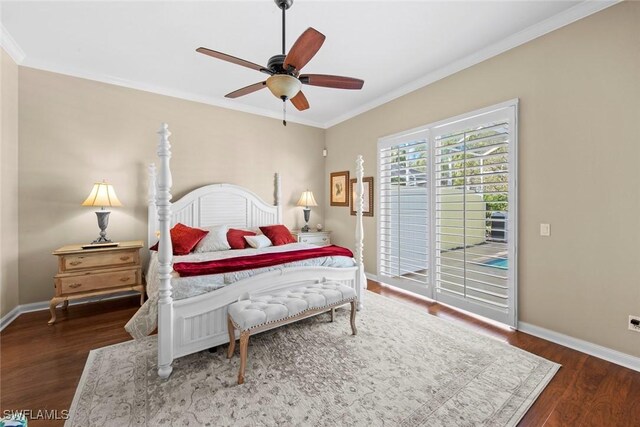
(307, 213)
(103, 222)
(100, 240)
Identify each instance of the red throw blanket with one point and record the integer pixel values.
(186, 269)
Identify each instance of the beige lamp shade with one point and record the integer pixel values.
(102, 194)
(284, 86)
(307, 199)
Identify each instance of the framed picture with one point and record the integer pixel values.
(339, 184)
(367, 196)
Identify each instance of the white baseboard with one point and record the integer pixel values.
(10, 317)
(608, 354)
(44, 305)
(613, 356)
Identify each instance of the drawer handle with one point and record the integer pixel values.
(124, 279)
(75, 262)
(324, 240)
(124, 258)
(75, 285)
(304, 240)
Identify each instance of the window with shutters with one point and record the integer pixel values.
(447, 211)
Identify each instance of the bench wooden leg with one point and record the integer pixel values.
(354, 331)
(244, 346)
(333, 314)
(232, 338)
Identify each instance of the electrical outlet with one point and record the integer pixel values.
(634, 323)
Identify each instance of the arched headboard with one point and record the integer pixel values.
(215, 204)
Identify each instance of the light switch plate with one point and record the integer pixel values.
(545, 229)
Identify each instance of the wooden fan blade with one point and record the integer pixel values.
(233, 59)
(300, 101)
(246, 90)
(337, 82)
(304, 49)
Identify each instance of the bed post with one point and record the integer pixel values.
(152, 209)
(165, 257)
(278, 196)
(361, 280)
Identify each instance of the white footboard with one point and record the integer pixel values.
(201, 322)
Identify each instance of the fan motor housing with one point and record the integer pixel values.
(276, 64)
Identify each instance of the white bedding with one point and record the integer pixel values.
(145, 319)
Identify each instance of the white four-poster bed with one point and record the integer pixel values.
(196, 323)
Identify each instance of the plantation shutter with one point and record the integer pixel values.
(473, 258)
(404, 211)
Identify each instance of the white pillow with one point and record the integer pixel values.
(260, 241)
(216, 240)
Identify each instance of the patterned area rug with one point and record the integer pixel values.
(405, 367)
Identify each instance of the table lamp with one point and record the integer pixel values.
(103, 195)
(306, 200)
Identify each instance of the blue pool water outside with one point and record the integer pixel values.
(502, 263)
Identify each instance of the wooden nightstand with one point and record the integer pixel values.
(320, 238)
(89, 272)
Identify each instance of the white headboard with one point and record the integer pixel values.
(215, 204)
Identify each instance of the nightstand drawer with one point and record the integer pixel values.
(99, 259)
(83, 283)
(316, 240)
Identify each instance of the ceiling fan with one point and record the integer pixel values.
(285, 80)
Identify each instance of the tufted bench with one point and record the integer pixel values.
(265, 312)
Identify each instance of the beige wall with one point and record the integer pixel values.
(8, 184)
(579, 168)
(76, 131)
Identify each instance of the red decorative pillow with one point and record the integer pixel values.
(236, 239)
(278, 234)
(184, 239)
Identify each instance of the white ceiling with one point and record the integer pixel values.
(394, 46)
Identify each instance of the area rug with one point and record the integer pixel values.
(405, 367)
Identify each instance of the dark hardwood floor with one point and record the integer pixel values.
(40, 365)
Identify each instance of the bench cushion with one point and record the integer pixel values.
(257, 311)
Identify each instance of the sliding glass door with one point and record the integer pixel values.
(447, 223)
(403, 219)
(475, 214)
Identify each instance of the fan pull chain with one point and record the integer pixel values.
(284, 112)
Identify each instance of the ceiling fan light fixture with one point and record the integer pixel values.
(284, 86)
(285, 80)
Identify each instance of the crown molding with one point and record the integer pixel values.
(577, 12)
(160, 90)
(10, 46)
